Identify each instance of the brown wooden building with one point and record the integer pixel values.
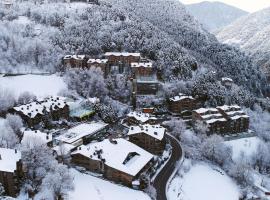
(117, 159)
(116, 58)
(99, 63)
(223, 119)
(75, 61)
(149, 137)
(212, 118)
(142, 69)
(182, 105)
(11, 171)
(238, 120)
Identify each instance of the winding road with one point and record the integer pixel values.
(160, 182)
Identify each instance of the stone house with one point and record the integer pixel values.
(117, 159)
(11, 171)
(149, 137)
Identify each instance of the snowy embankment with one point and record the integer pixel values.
(89, 187)
(39, 85)
(202, 182)
(247, 146)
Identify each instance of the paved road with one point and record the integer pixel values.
(165, 174)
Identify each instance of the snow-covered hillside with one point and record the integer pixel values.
(251, 33)
(87, 186)
(203, 182)
(39, 85)
(215, 15)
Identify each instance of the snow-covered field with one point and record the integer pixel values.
(40, 85)
(203, 182)
(88, 187)
(247, 146)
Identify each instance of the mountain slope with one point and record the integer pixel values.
(171, 17)
(215, 15)
(161, 30)
(251, 33)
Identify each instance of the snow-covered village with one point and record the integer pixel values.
(134, 99)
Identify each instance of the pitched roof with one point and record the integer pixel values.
(155, 131)
(142, 64)
(30, 137)
(119, 154)
(181, 97)
(38, 107)
(9, 159)
(122, 54)
(140, 116)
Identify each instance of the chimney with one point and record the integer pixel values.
(47, 137)
(15, 150)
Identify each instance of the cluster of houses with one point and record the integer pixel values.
(141, 71)
(221, 120)
(89, 144)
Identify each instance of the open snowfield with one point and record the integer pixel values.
(40, 85)
(246, 145)
(203, 183)
(88, 187)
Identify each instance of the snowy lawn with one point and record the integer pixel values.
(202, 182)
(89, 187)
(246, 145)
(40, 85)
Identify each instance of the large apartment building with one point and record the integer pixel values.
(117, 159)
(148, 137)
(223, 119)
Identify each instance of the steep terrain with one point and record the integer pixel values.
(214, 15)
(161, 30)
(251, 33)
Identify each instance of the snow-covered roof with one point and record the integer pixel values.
(119, 154)
(226, 79)
(140, 116)
(122, 54)
(142, 64)
(63, 149)
(80, 131)
(204, 110)
(233, 112)
(181, 97)
(155, 131)
(76, 57)
(239, 116)
(38, 107)
(9, 159)
(210, 121)
(100, 61)
(35, 136)
(226, 107)
(211, 116)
